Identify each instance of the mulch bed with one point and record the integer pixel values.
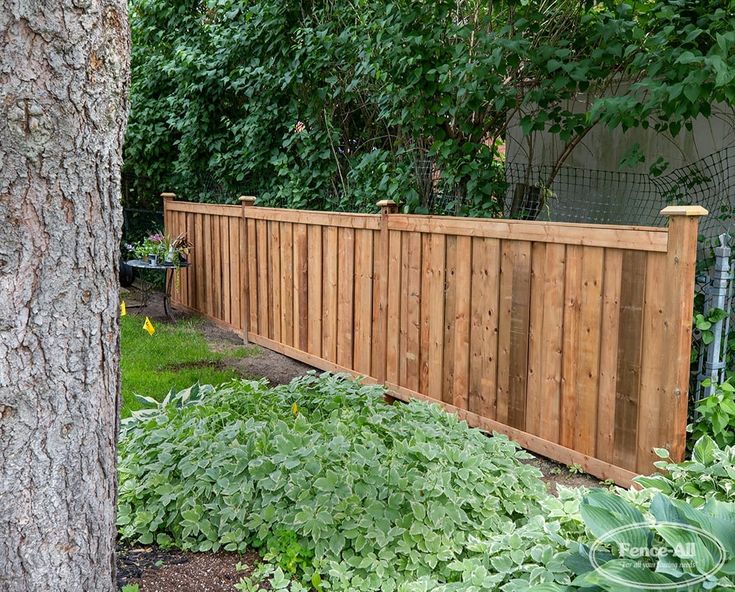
(156, 570)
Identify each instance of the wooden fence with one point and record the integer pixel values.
(571, 339)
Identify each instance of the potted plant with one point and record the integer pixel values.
(160, 249)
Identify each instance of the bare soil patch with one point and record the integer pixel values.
(156, 570)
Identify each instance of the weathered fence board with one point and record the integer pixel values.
(571, 339)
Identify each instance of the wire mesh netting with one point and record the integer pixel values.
(617, 197)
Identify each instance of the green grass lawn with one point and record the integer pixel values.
(175, 356)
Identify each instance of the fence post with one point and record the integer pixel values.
(167, 199)
(380, 309)
(246, 201)
(716, 298)
(681, 259)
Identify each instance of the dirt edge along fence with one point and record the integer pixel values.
(571, 339)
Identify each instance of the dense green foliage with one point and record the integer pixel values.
(715, 415)
(670, 525)
(709, 473)
(340, 491)
(174, 357)
(332, 482)
(330, 105)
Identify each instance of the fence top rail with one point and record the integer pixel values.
(641, 238)
(364, 221)
(204, 208)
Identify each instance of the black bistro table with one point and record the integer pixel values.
(168, 270)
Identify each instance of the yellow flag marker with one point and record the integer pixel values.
(148, 326)
(295, 408)
(123, 310)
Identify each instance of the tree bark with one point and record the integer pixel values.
(64, 71)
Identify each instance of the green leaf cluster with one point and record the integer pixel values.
(708, 474)
(694, 547)
(715, 415)
(344, 487)
(335, 105)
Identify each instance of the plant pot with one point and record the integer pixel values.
(152, 259)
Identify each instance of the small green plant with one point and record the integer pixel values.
(130, 588)
(709, 474)
(716, 415)
(285, 547)
(576, 469)
(704, 323)
(273, 577)
(609, 484)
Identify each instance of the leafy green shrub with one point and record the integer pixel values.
(716, 416)
(372, 496)
(289, 99)
(709, 474)
(654, 551)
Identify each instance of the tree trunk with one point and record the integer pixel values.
(63, 110)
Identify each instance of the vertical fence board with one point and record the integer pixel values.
(346, 286)
(484, 330)
(330, 287)
(252, 262)
(651, 399)
(535, 339)
(613, 270)
(630, 353)
(435, 314)
(412, 269)
(363, 300)
(228, 265)
(588, 368)
(315, 310)
(208, 275)
(300, 290)
(425, 335)
(570, 344)
(287, 284)
(396, 312)
(462, 314)
(264, 312)
(450, 306)
(239, 273)
(216, 269)
(504, 330)
(519, 326)
(274, 288)
(552, 342)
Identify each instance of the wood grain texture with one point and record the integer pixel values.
(315, 311)
(363, 300)
(330, 262)
(300, 287)
(287, 284)
(396, 311)
(553, 342)
(557, 332)
(519, 333)
(346, 297)
(612, 282)
(484, 327)
(630, 354)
